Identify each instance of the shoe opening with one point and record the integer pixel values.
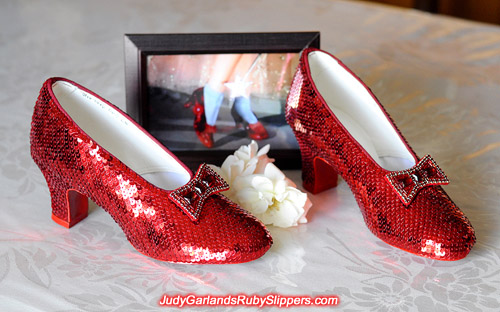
(122, 138)
(359, 112)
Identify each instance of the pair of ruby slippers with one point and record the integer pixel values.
(205, 132)
(88, 148)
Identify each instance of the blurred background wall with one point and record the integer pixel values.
(478, 10)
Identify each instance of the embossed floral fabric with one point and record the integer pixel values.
(438, 77)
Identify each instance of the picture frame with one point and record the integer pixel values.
(160, 72)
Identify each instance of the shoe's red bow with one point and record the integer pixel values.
(407, 183)
(190, 197)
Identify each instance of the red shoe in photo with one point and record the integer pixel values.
(203, 131)
(257, 131)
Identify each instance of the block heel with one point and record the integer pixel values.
(317, 173)
(68, 207)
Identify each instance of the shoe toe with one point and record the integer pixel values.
(454, 233)
(431, 226)
(243, 235)
(445, 233)
(224, 233)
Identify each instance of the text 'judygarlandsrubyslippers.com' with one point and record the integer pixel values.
(270, 300)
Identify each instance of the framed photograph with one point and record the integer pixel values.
(205, 95)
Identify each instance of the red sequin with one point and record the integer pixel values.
(429, 224)
(76, 168)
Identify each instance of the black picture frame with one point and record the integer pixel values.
(138, 47)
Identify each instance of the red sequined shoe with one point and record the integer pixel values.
(342, 128)
(256, 131)
(203, 131)
(88, 148)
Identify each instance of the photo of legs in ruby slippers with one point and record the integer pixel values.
(220, 101)
(206, 101)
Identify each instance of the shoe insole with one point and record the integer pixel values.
(359, 112)
(120, 137)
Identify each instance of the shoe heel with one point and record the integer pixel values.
(68, 205)
(195, 98)
(317, 174)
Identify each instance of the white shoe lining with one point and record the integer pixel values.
(120, 137)
(360, 114)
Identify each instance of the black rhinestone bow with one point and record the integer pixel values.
(408, 182)
(190, 197)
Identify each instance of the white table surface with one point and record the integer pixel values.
(438, 77)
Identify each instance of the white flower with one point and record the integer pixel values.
(246, 160)
(258, 186)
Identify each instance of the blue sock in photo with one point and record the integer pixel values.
(242, 106)
(212, 102)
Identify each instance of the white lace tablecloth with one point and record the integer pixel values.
(438, 77)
